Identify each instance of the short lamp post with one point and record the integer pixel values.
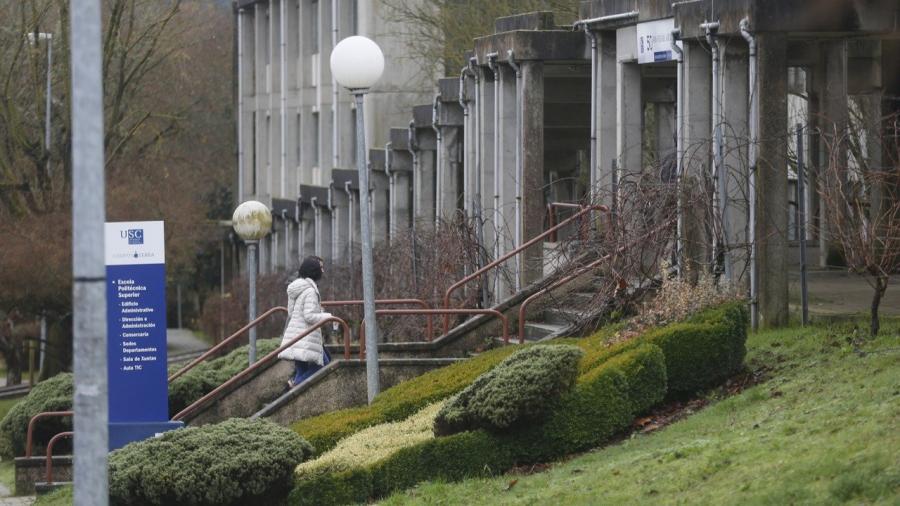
(357, 64)
(252, 221)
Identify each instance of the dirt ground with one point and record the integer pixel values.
(842, 293)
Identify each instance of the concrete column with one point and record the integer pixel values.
(308, 232)
(380, 201)
(470, 142)
(772, 182)
(450, 149)
(607, 150)
(630, 118)
(735, 136)
(532, 167)
(485, 171)
(507, 174)
(340, 228)
(425, 178)
(696, 161)
(833, 123)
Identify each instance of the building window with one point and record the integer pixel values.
(315, 139)
(298, 139)
(253, 161)
(354, 17)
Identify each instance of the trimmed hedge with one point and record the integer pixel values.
(234, 462)
(398, 402)
(208, 375)
(54, 394)
(596, 408)
(518, 389)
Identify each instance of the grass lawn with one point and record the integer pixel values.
(822, 430)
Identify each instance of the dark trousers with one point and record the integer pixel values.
(303, 370)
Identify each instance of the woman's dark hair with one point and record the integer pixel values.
(311, 268)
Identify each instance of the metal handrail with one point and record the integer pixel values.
(29, 438)
(553, 286)
(446, 311)
(551, 215)
(212, 351)
(265, 360)
(388, 302)
(512, 253)
(52, 442)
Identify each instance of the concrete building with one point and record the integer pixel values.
(296, 126)
(695, 93)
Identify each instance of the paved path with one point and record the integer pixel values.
(184, 340)
(842, 293)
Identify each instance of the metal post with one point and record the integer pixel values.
(252, 265)
(222, 290)
(368, 278)
(91, 406)
(48, 105)
(801, 205)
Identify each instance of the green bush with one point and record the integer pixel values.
(234, 462)
(597, 407)
(54, 394)
(398, 402)
(208, 375)
(518, 389)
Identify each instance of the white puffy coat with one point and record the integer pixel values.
(304, 311)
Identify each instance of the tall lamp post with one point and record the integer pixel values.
(356, 64)
(252, 221)
(33, 38)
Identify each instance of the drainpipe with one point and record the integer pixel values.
(349, 193)
(413, 148)
(464, 103)
(240, 111)
(317, 223)
(679, 150)
(720, 195)
(438, 162)
(752, 155)
(283, 78)
(479, 218)
(391, 193)
(335, 90)
(498, 219)
(332, 207)
(511, 58)
(287, 239)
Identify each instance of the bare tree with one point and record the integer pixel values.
(860, 193)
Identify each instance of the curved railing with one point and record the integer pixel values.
(215, 349)
(399, 312)
(265, 361)
(29, 437)
(552, 230)
(551, 215)
(52, 442)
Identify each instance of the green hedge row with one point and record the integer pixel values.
(398, 402)
(234, 462)
(596, 408)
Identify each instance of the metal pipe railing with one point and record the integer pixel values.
(212, 351)
(265, 361)
(551, 215)
(445, 311)
(389, 302)
(53, 440)
(512, 253)
(29, 437)
(553, 286)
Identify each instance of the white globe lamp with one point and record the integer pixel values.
(357, 63)
(252, 221)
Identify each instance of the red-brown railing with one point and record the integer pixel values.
(29, 437)
(513, 253)
(265, 361)
(53, 440)
(215, 349)
(448, 312)
(429, 330)
(551, 217)
(553, 286)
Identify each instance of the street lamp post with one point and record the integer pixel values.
(49, 38)
(356, 64)
(252, 221)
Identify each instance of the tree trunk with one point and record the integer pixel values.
(880, 287)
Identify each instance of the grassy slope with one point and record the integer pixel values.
(823, 430)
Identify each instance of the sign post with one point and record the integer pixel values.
(136, 325)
